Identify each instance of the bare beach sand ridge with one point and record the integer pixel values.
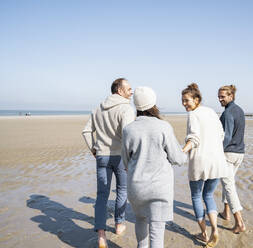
(48, 189)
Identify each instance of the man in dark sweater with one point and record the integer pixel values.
(233, 121)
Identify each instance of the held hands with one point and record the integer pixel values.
(187, 147)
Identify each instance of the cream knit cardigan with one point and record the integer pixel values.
(206, 158)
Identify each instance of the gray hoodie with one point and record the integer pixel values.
(108, 121)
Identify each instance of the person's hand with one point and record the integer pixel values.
(184, 150)
(93, 151)
(187, 147)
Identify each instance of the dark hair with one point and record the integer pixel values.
(116, 85)
(153, 112)
(230, 89)
(193, 90)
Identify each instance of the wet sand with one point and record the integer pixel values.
(48, 189)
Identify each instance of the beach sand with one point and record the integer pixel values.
(48, 189)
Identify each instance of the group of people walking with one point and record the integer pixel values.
(140, 149)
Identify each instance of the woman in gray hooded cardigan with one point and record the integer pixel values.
(149, 150)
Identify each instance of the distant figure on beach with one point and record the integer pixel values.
(207, 162)
(108, 121)
(149, 150)
(233, 121)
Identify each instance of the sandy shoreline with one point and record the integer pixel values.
(48, 188)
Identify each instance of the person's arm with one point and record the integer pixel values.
(127, 117)
(193, 133)
(221, 130)
(88, 134)
(173, 149)
(124, 151)
(228, 128)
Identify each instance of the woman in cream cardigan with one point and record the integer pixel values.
(207, 163)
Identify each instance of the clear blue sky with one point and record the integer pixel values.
(64, 54)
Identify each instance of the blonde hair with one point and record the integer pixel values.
(230, 89)
(193, 90)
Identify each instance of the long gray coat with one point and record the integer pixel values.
(149, 149)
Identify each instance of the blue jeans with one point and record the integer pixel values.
(198, 191)
(106, 166)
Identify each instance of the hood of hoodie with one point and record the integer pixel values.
(114, 100)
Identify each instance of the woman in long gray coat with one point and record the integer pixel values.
(149, 150)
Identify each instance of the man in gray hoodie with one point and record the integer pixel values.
(108, 121)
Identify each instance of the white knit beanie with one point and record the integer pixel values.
(144, 98)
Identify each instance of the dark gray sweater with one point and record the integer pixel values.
(233, 122)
